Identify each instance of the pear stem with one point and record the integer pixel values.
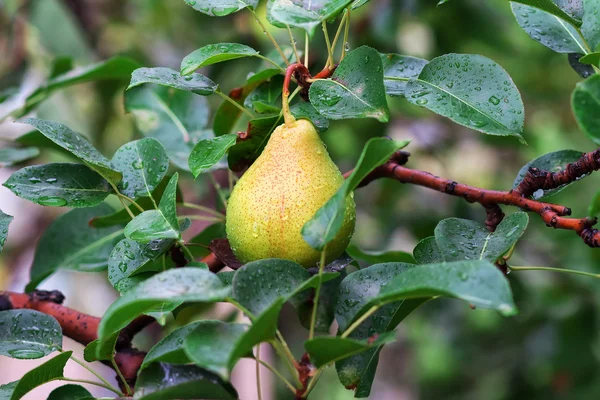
(287, 115)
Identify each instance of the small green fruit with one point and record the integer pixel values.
(293, 177)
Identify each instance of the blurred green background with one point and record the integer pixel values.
(445, 350)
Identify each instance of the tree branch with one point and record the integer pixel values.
(552, 214)
(81, 327)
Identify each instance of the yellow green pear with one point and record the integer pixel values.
(293, 177)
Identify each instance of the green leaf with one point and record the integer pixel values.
(70, 243)
(122, 217)
(7, 390)
(212, 346)
(591, 24)
(59, 185)
(355, 292)
(591, 59)
(398, 70)
(356, 89)
(327, 221)
(10, 156)
(471, 90)
(246, 151)
(70, 392)
(27, 334)
(266, 98)
(377, 257)
(585, 103)
(572, 7)
(171, 348)
(112, 69)
(130, 258)
(221, 8)
(208, 152)
(77, 145)
(5, 221)
(260, 284)
(594, 207)
(175, 285)
(157, 224)
(143, 164)
(195, 83)
(462, 239)
(552, 162)
(325, 350)
(548, 29)
(46, 372)
(304, 110)
(177, 119)
(428, 252)
(551, 7)
(214, 53)
(476, 281)
(299, 14)
(163, 381)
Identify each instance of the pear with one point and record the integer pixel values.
(292, 178)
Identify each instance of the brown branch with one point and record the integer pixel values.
(80, 327)
(552, 214)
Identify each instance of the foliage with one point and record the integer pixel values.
(127, 210)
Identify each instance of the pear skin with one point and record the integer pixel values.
(292, 178)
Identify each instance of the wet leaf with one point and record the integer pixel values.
(144, 164)
(208, 152)
(5, 221)
(28, 334)
(553, 7)
(221, 8)
(585, 103)
(471, 90)
(214, 53)
(77, 145)
(299, 14)
(163, 381)
(59, 185)
(553, 32)
(356, 89)
(398, 70)
(70, 243)
(194, 82)
(11, 156)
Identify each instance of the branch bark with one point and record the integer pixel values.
(81, 327)
(553, 215)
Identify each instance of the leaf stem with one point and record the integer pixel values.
(346, 32)
(312, 383)
(267, 59)
(329, 62)
(293, 42)
(313, 318)
(203, 208)
(86, 382)
(235, 103)
(218, 190)
(360, 320)
(271, 38)
(121, 377)
(276, 373)
(133, 202)
(565, 271)
(199, 218)
(288, 361)
(258, 385)
(186, 251)
(339, 31)
(96, 374)
(306, 48)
